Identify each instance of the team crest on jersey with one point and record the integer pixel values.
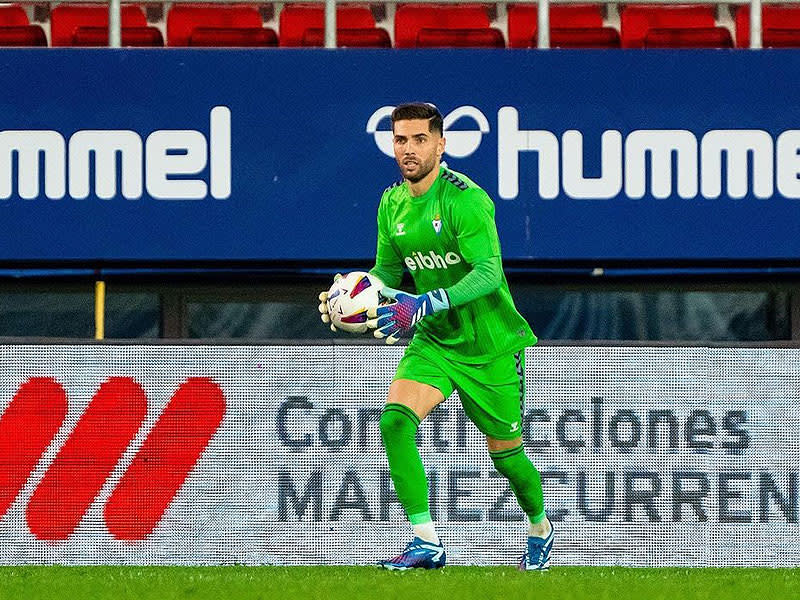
(437, 224)
(400, 229)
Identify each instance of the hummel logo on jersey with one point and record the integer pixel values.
(418, 260)
(437, 224)
(514, 426)
(451, 177)
(400, 229)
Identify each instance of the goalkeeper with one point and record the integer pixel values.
(467, 334)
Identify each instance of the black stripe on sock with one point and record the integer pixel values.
(403, 409)
(501, 454)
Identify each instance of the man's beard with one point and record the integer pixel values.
(424, 170)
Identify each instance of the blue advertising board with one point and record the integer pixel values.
(264, 155)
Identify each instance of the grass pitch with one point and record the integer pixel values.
(347, 583)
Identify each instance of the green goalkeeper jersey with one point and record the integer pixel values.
(447, 238)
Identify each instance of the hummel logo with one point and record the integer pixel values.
(400, 227)
(514, 426)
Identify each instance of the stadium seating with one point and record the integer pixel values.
(296, 19)
(780, 26)
(523, 21)
(415, 25)
(410, 19)
(182, 20)
(65, 19)
(637, 20)
(130, 36)
(484, 37)
(697, 37)
(374, 37)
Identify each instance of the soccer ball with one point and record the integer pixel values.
(351, 297)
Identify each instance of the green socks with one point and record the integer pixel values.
(525, 481)
(398, 431)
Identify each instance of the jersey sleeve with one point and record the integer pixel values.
(473, 217)
(479, 244)
(388, 262)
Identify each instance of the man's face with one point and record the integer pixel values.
(416, 148)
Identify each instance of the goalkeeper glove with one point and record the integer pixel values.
(323, 304)
(399, 319)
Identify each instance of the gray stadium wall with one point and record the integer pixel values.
(203, 454)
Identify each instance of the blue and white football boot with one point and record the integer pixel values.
(419, 554)
(537, 556)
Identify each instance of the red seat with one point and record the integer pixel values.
(130, 37)
(594, 37)
(295, 19)
(229, 37)
(780, 38)
(13, 15)
(693, 37)
(484, 37)
(636, 20)
(523, 20)
(374, 37)
(411, 18)
(66, 18)
(182, 19)
(22, 35)
(16, 30)
(772, 17)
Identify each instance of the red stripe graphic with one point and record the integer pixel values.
(165, 459)
(87, 458)
(26, 429)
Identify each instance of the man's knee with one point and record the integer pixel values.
(391, 422)
(420, 398)
(497, 445)
(397, 419)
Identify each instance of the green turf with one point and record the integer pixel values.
(334, 583)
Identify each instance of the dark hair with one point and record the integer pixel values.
(419, 110)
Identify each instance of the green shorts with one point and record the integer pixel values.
(492, 394)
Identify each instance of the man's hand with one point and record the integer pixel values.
(399, 319)
(323, 304)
